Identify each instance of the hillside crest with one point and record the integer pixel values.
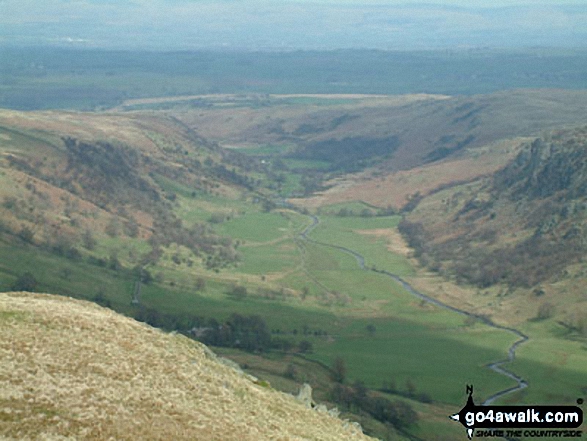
(74, 369)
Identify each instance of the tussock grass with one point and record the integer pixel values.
(70, 369)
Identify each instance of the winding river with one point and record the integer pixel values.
(496, 366)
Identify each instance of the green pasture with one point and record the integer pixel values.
(256, 227)
(306, 164)
(291, 185)
(82, 280)
(273, 258)
(555, 366)
(127, 250)
(215, 302)
(437, 363)
(63, 276)
(346, 230)
(193, 205)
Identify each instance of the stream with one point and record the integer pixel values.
(495, 366)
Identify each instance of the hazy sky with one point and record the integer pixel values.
(464, 3)
(275, 24)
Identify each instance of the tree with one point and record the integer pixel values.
(281, 344)
(305, 346)
(338, 370)
(305, 292)
(238, 292)
(268, 205)
(545, 311)
(26, 234)
(410, 387)
(398, 413)
(389, 386)
(88, 240)
(360, 393)
(131, 228)
(290, 371)
(113, 262)
(112, 229)
(26, 282)
(101, 299)
(200, 284)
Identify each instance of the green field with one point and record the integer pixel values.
(347, 231)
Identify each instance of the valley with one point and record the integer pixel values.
(338, 240)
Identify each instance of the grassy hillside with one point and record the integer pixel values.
(71, 369)
(394, 133)
(97, 186)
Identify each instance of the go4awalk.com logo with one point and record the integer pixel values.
(519, 421)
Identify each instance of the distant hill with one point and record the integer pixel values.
(73, 369)
(83, 78)
(394, 133)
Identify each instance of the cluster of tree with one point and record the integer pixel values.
(234, 177)
(249, 333)
(306, 330)
(183, 323)
(348, 154)
(525, 264)
(366, 212)
(413, 201)
(409, 391)
(108, 173)
(217, 251)
(357, 398)
(25, 282)
(21, 208)
(312, 182)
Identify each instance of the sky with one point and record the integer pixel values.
(294, 24)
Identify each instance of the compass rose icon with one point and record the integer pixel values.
(461, 415)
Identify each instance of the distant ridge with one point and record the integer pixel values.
(70, 369)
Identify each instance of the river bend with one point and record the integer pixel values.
(496, 366)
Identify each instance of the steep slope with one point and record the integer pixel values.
(73, 369)
(522, 226)
(69, 180)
